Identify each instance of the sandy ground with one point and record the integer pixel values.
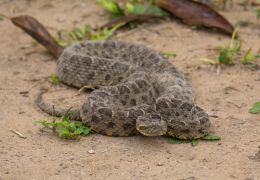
(228, 94)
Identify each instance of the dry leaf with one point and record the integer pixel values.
(36, 30)
(196, 14)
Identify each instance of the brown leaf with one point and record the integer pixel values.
(128, 19)
(196, 14)
(37, 31)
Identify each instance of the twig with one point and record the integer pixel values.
(129, 18)
(53, 120)
(18, 133)
(66, 114)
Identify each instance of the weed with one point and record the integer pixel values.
(195, 142)
(66, 129)
(86, 32)
(258, 13)
(256, 108)
(228, 54)
(55, 79)
(132, 7)
(169, 54)
(249, 57)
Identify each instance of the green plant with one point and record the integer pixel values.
(111, 6)
(249, 57)
(54, 79)
(229, 53)
(132, 7)
(169, 54)
(256, 108)
(86, 32)
(195, 142)
(258, 13)
(65, 128)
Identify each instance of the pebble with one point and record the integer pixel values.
(160, 164)
(91, 151)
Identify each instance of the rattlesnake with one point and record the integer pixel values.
(137, 91)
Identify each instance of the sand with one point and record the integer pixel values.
(227, 93)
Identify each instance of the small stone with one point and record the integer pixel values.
(160, 164)
(91, 151)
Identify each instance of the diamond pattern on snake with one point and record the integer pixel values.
(136, 91)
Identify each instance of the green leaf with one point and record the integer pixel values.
(258, 13)
(194, 142)
(105, 34)
(62, 43)
(138, 9)
(129, 8)
(64, 133)
(54, 79)
(79, 131)
(155, 10)
(66, 129)
(211, 137)
(1, 17)
(256, 108)
(169, 54)
(249, 57)
(229, 53)
(210, 61)
(177, 141)
(44, 123)
(86, 131)
(111, 6)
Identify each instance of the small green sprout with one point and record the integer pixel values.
(211, 137)
(132, 7)
(86, 32)
(256, 108)
(258, 13)
(249, 57)
(111, 6)
(55, 79)
(66, 129)
(229, 53)
(194, 142)
(169, 54)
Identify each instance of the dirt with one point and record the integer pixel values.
(228, 93)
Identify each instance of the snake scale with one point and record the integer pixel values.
(137, 90)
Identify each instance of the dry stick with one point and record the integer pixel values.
(129, 18)
(18, 133)
(66, 114)
(53, 120)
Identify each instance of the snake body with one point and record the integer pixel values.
(136, 91)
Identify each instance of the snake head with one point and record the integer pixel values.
(151, 126)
